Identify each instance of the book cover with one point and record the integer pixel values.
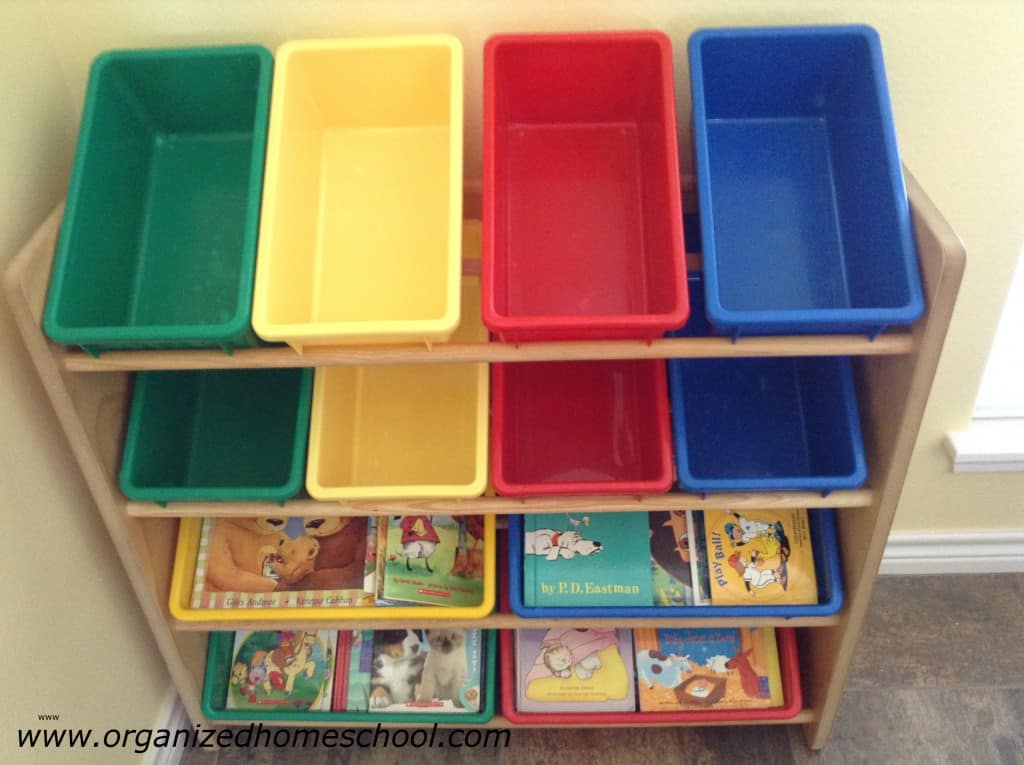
(671, 574)
(701, 669)
(436, 670)
(699, 559)
(434, 560)
(602, 559)
(352, 671)
(575, 670)
(293, 669)
(760, 557)
(280, 562)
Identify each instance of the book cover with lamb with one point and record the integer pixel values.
(701, 669)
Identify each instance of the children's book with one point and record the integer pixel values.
(434, 560)
(436, 670)
(281, 562)
(699, 559)
(575, 670)
(671, 575)
(602, 559)
(702, 669)
(291, 670)
(352, 671)
(760, 557)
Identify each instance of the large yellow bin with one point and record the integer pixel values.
(362, 197)
(404, 432)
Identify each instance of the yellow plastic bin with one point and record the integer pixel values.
(185, 558)
(404, 432)
(362, 198)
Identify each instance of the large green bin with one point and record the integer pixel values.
(157, 248)
(237, 434)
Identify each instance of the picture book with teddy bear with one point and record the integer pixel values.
(703, 669)
(574, 670)
(760, 557)
(431, 559)
(603, 559)
(283, 562)
(291, 670)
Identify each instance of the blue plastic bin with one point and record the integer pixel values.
(806, 225)
(763, 423)
(826, 565)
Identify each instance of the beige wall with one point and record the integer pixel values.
(955, 72)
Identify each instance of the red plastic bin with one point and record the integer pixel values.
(580, 427)
(792, 694)
(582, 210)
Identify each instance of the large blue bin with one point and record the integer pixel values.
(806, 225)
(763, 423)
(827, 568)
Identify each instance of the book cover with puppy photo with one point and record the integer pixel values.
(432, 560)
(435, 670)
(291, 670)
(575, 670)
(695, 669)
(281, 562)
(602, 559)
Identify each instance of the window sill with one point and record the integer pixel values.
(990, 445)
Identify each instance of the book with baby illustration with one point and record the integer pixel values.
(760, 557)
(431, 559)
(291, 670)
(602, 559)
(421, 671)
(703, 669)
(574, 670)
(281, 562)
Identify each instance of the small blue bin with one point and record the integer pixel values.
(763, 423)
(806, 225)
(826, 565)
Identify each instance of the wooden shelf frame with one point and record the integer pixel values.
(894, 375)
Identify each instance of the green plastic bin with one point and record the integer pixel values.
(215, 690)
(157, 248)
(237, 434)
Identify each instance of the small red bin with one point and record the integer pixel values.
(580, 427)
(582, 210)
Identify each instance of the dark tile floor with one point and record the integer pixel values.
(938, 678)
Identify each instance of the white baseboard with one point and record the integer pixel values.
(976, 552)
(172, 716)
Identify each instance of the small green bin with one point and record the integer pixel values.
(157, 248)
(237, 434)
(215, 690)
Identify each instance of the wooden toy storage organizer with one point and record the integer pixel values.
(894, 375)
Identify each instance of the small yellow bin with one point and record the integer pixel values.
(190, 531)
(362, 197)
(404, 432)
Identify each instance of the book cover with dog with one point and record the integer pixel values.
(759, 557)
(434, 670)
(281, 562)
(574, 670)
(432, 559)
(602, 559)
(291, 670)
(671, 573)
(701, 669)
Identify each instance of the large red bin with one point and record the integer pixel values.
(791, 691)
(580, 427)
(582, 210)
